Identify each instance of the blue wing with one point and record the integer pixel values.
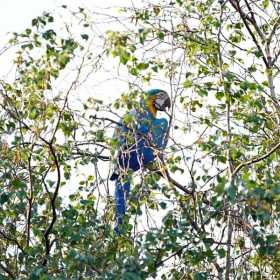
(146, 130)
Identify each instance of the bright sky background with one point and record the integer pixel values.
(16, 15)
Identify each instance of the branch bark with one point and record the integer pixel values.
(227, 93)
(30, 198)
(8, 271)
(255, 160)
(53, 197)
(236, 5)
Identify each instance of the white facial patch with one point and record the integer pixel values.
(162, 99)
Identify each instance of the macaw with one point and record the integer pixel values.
(137, 144)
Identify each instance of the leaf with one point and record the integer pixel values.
(162, 205)
(85, 36)
(160, 35)
(143, 66)
(258, 54)
(265, 4)
(4, 198)
(200, 276)
(49, 34)
(28, 31)
(33, 113)
(100, 135)
(134, 71)
(124, 57)
(19, 184)
(35, 22)
(187, 83)
(63, 60)
(202, 92)
(231, 192)
(128, 118)
(221, 253)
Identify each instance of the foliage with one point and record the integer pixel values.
(214, 214)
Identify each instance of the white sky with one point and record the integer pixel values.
(16, 15)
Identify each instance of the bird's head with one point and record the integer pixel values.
(157, 100)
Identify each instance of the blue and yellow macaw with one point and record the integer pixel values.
(137, 144)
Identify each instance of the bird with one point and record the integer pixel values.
(139, 140)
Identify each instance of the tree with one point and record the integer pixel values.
(216, 197)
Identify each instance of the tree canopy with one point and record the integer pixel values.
(213, 213)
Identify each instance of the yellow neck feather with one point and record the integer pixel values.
(151, 107)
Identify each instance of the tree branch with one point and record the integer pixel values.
(53, 200)
(30, 198)
(13, 240)
(245, 19)
(7, 271)
(255, 160)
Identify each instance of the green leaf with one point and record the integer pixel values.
(232, 192)
(124, 57)
(219, 189)
(49, 34)
(160, 35)
(219, 95)
(258, 54)
(200, 276)
(4, 198)
(143, 66)
(265, 3)
(85, 36)
(18, 184)
(33, 114)
(187, 83)
(35, 22)
(221, 253)
(162, 205)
